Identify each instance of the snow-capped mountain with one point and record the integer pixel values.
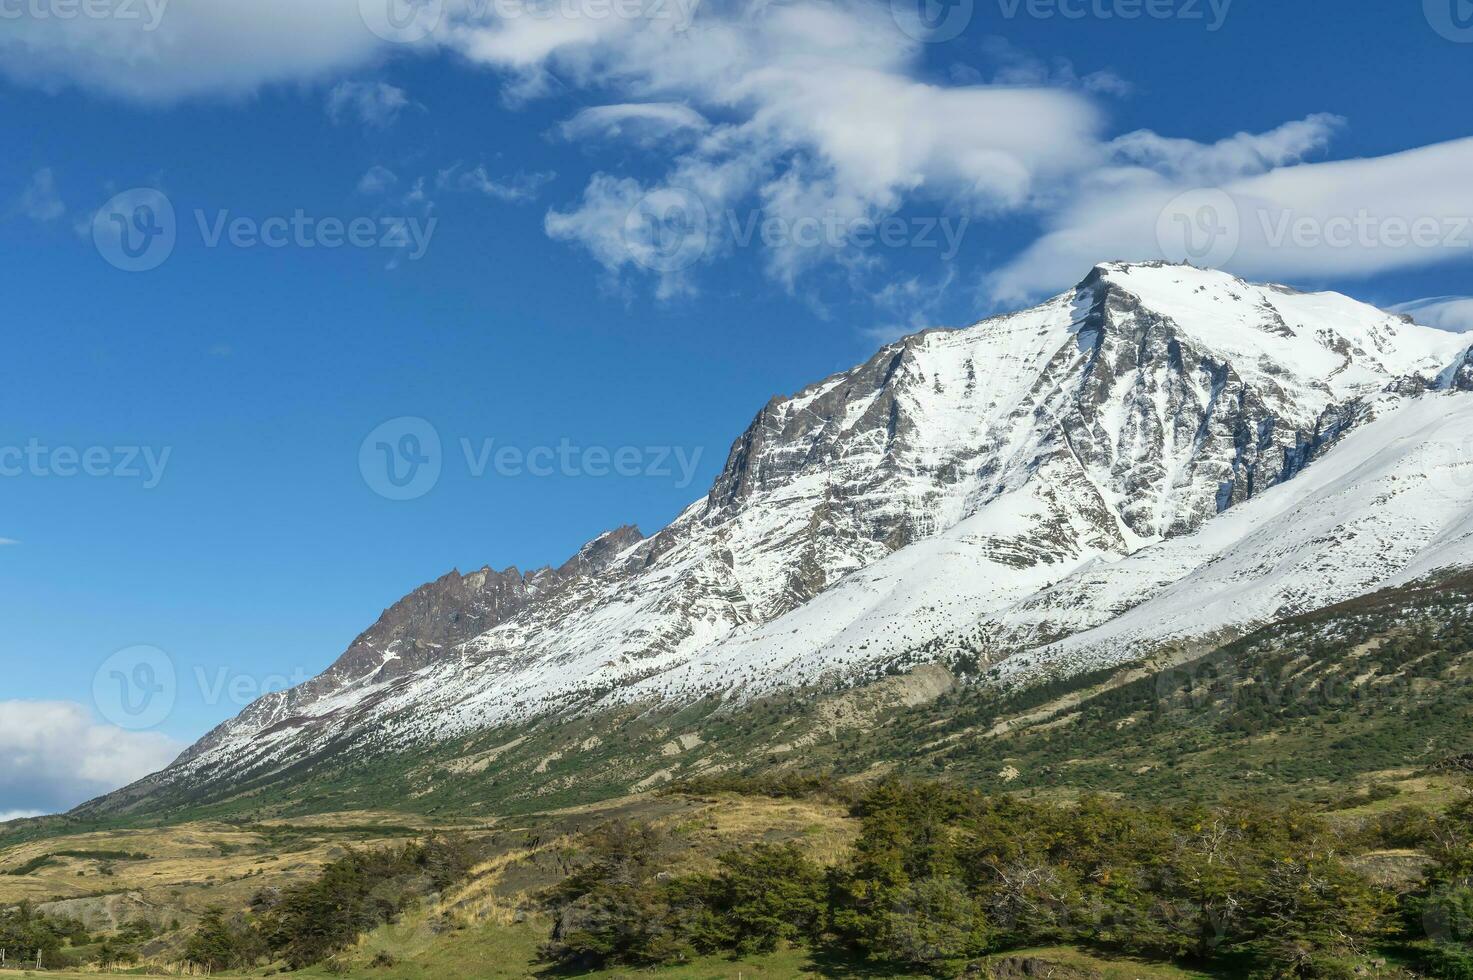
(1159, 456)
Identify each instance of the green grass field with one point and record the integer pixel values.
(506, 952)
(510, 951)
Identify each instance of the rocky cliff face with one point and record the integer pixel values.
(957, 485)
(1461, 377)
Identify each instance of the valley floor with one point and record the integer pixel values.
(1358, 715)
(505, 953)
(491, 924)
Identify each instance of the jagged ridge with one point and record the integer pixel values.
(999, 488)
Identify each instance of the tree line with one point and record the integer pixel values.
(940, 874)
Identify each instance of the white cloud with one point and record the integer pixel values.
(168, 50)
(53, 755)
(377, 180)
(644, 123)
(375, 104)
(1235, 156)
(1453, 313)
(1017, 67)
(517, 188)
(819, 113)
(1106, 83)
(1342, 218)
(40, 200)
(601, 223)
(803, 109)
(17, 814)
(822, 117)
(4, 542)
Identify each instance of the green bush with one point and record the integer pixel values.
(766, 896)
(939, 873)
(309, 922)
(25, 931)
(618, 909)
(355, 894)
(222, 945)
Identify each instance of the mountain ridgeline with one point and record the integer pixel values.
(1157, 462)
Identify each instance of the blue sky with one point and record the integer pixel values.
(1042, 137)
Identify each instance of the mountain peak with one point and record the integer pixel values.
(993, 489)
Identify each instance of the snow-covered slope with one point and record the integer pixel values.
(1392, 503)
(1159, 453)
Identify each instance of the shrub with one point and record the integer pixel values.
(357, 893)
(221, 945)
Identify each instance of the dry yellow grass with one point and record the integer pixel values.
(477, 899)
(192, 866)
(188, 866)
(823, 831)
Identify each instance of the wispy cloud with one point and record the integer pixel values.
(375, 104)
(377, 180)
(802, 110)
(1272, 217)
(647, 124)
(1453, 313)
(40, 200)
(517, 188)
(174, 51)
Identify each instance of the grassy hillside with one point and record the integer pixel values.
(509, 953)
(1362, 712)
(1091, 889)
(1308, 708)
